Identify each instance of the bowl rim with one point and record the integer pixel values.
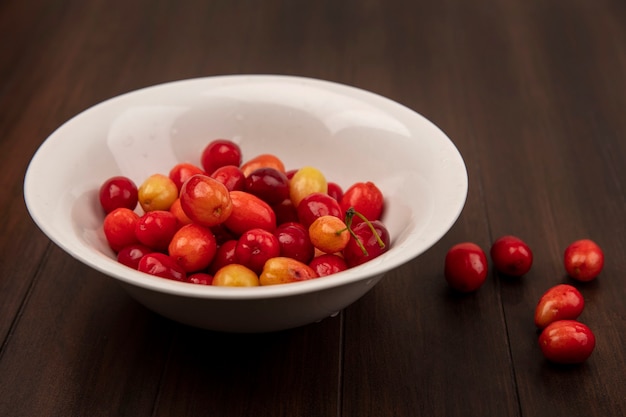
(367, 271)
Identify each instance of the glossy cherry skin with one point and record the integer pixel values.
(265, 160)
(285, 212)
(132, 254)
(205, 200)
(249, 212)
(364, 197)
(282, 270)
(157, 192)
(511, 256)
(200, 278)
(156, 228)
(567, 342)
(335, 190)
(219, 153)
(193, 247)
(118, 192)
(235, 275)
(329, 234)
(225, 255)
(317, 205)
(119, 228)
(465, 267)
(162, 265)
(182, 172)
(584, 260)
(294, 242)
(305, 181)
(354, 255)
(231, 176)
(269, 184)
(255, 247)
(561, 302)
(328, 264)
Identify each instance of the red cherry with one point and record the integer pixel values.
(193, 247)
(285, 212)
(269, 184)
(117, 192)
(249, 212)
(561, 302)
(465, 267)
(294, 242)
(366, 198)
(328, 264)
(201, 278)
(335, 190)
(132, 254)
(182, 172)
(119, 228)
(567, 342)
(231, 176)
(225, 255)
(584, 260)
(205, 200)
(317, 205)
(161, 265)
(156, 228)
(511, 256)
(366, 244)
(255, 247)
(218, 153)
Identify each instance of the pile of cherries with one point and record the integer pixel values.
(227, 222)
(562, 338)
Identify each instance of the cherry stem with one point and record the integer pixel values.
(350, 213)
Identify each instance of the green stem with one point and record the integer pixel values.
(349, 215)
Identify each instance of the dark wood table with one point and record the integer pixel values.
(533, 93)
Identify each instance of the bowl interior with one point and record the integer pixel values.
(350, 134)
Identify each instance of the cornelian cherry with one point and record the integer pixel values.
(511, 256)
(132, 254)
(567, 342)
(317, 205)
(269, 184)
(225, 255)
(583, 260)
(255, 247)
(193, 247)
(205, 200)
(116, 192)
(368, 241)
(560, 302)
(182, 172)
(465, 267)
(161, 265)
(249, 212)
(265, 160)
(218, 153)
(156, 228)
(119, 228)
(328, 264)
(329, 234)
(201, 278)
(231, 176)
(365, 198)
(335, 190)
(294, 241)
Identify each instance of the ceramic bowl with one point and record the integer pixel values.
(348, 133)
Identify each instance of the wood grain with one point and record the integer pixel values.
(531, 92)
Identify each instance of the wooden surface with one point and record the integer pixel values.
(532, 92)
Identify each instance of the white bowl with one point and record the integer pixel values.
(349, 134)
